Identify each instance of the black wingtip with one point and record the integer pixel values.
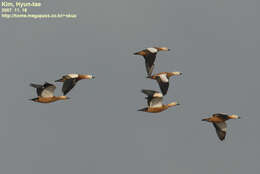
(35, 85)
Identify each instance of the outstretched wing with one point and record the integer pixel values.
(155, 102)
(154, 98)
(48, 90)
(163, 82)
(221, 129)
(38, 87)
(149, 62)
(149, 92)
(68, 85)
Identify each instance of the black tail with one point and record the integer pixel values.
(33, 99)
(143, 109)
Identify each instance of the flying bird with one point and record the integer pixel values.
(219, 123)
(149, 55)
(45, 93)
(154, 102)
(70, 80)
(163, 80)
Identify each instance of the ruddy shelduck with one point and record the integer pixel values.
(154, 101)
(149, 55)
(45, 93)
(163, 80)
(70, 80)
(219, 122)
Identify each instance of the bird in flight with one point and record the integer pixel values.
(149, 55)
(219, 122)
(154, 102)
(163, 80)
(70, 80)
(45, 93)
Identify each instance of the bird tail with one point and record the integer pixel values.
(33, 99)
(143, 109)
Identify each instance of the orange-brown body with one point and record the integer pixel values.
(218, 119)
(142, 53)
(159, 109)
(156, 110)
(215, 119)
(49, 99)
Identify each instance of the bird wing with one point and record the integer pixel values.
(149, 62)
(163, 82)
(151, 100)
(164, 87)
(155, 102)
(221, 115)
(68, 85)
(149, 92)
(38, 87)
(47, 90)
(221, 129)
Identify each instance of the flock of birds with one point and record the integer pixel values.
(45, 92)
(154, 99)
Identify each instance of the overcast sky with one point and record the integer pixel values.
(215, 43)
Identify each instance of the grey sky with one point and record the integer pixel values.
(215, 43)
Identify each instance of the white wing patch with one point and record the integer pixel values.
(164, 78)
(48, 92)
(152, 50)
(222, 126)
(73, 75)
(156, 102)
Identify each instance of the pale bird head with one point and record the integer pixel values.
(86, 76)
(234, 116)
(163, 49)
(63, 97)
(173, 104)
(176, 73)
